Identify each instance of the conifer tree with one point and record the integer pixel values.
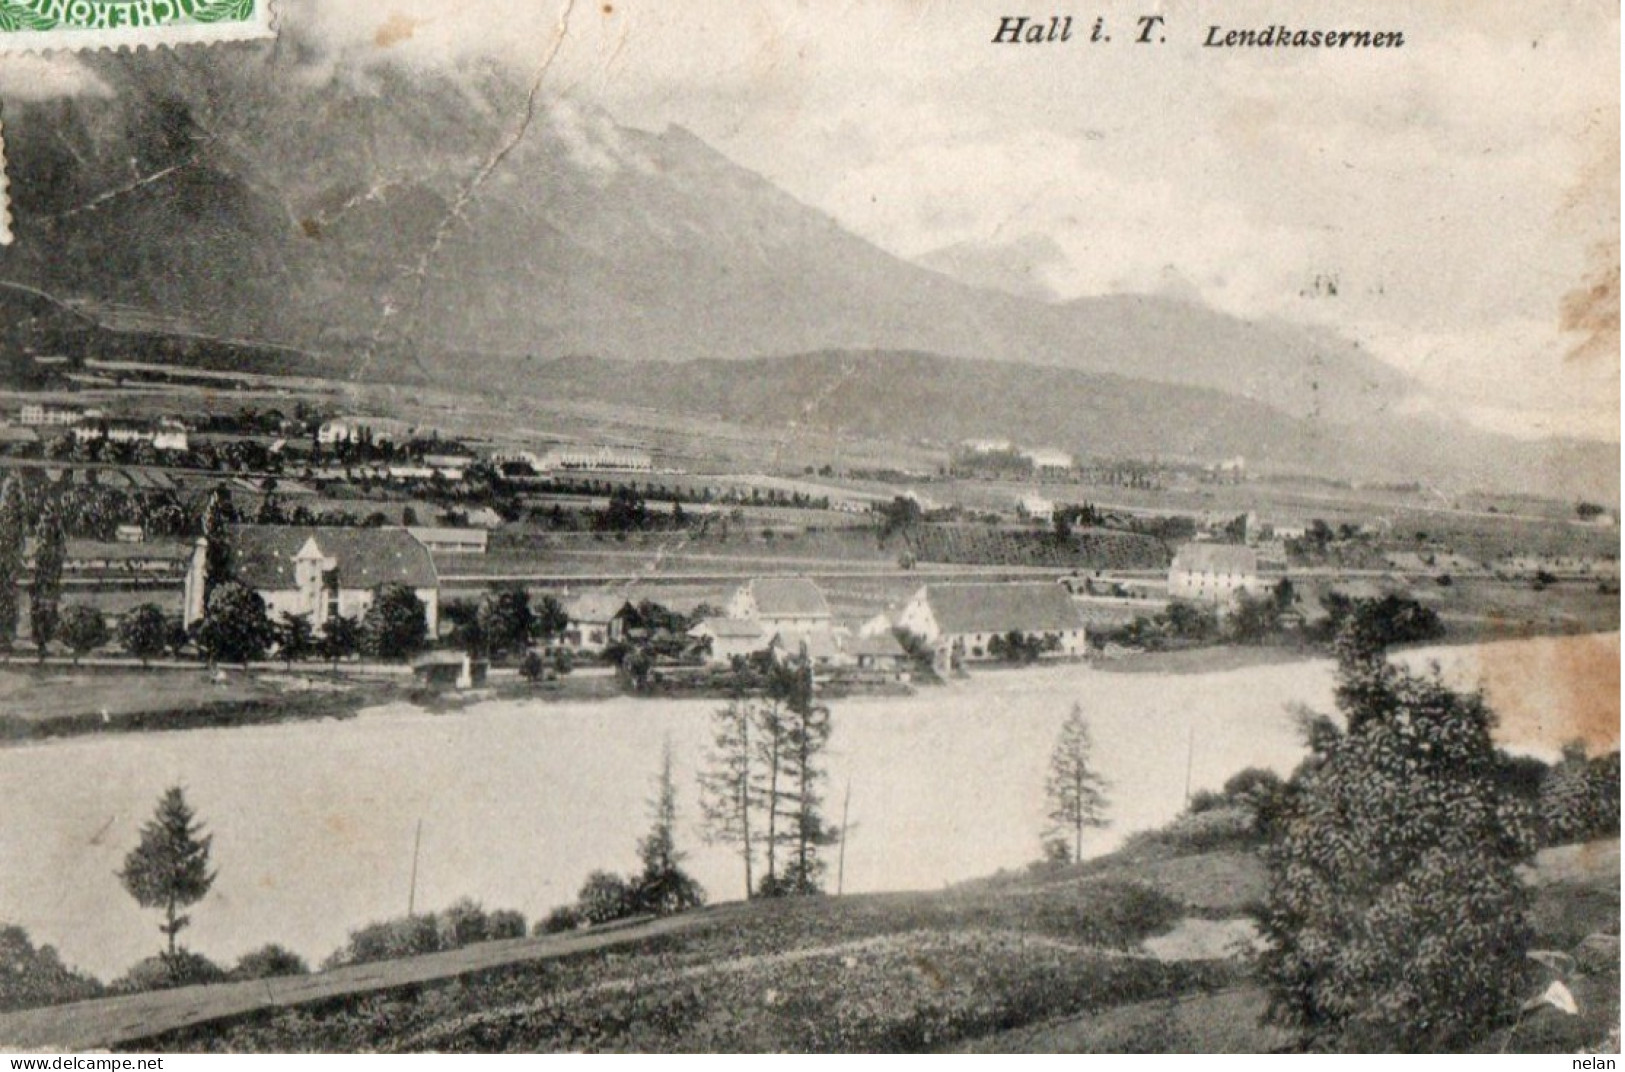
(169, 868)
(664, 887)
(45, 591)
(13, 530)
(1075, 790)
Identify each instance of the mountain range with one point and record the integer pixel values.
(391, 223)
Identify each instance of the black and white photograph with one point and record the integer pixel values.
(639, 526)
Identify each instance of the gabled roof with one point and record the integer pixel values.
(880, 644)
(262, 556)
(595, 606)
(787, 597)
(816, 643)
(999, 608)
(1216, 558)
(729, 628)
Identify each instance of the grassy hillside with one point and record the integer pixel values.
(1138, 951)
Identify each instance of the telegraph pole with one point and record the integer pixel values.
(412, 892)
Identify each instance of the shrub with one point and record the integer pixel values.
(1579, 798)
(463, 923)
(604, 898)
(169, 970)
(504, 923)
(31, 976)
(562, 919)
(406, 937)
(1395, 920)
(269, 962)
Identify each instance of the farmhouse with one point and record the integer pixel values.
(961, 620)
(731, 637)
(321, 573)
(597, 620)
(1213, 572)
(782, 605)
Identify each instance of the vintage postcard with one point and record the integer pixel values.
(544, 526)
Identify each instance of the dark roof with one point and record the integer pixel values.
(733, 628)
(788, 597)
(1216, 558)
(596, 606)
(882, 644)
(262, 556)
(999, 608)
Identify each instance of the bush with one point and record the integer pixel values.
(1222, 827)
(31, 976)
(604, 898)
(1395, 920)
(1579, 798)
(406, 937)
(504, 923)
(166, 971)
(464, 923)
(561, 920)
(268, 962)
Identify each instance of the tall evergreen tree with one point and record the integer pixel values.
(13, 531)
(664, 887)
(808, 729)
(218, 514)
(794, 732)
(726, 796)
(45, 591)
(1075, 791)
(169, 868)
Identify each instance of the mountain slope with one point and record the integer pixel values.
(240, 191)
(919, 397)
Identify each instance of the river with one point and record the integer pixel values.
(313, 822)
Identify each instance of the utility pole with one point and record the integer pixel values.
(1190, 752)
(840, 859)
(412, 892)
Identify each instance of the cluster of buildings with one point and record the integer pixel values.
(91, 425)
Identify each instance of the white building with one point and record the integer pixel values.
(41, 416)
(1046, 460)
(960, 621)
(321, 573)
(1036, 507)
(1213, 573)
(612, 459)
(789, 605)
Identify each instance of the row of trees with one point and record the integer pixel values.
(762, 787)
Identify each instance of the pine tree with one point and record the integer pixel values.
(793, 732)
(218, 514)
(13, 528)
(664, 887)
(169, 868)
(726, 797)
(45, 592)
(1075, 790)
(807, 735)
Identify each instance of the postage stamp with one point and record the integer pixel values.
(39, 25)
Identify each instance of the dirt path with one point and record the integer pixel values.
(107, 1022)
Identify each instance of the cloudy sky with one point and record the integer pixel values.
(1462, 192)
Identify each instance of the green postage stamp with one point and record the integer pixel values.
(38, 25)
